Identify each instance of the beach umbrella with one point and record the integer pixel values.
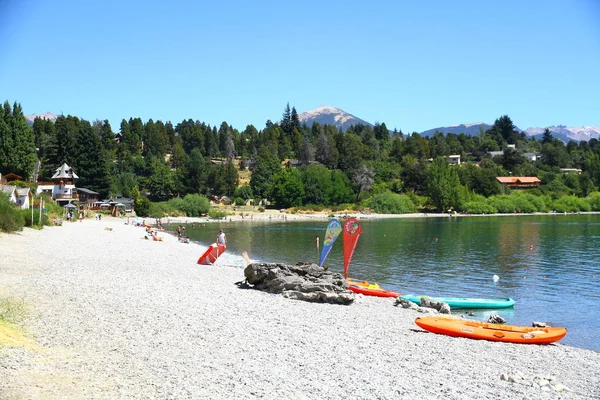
(70, 206)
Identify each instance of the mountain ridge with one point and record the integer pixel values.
(561, 132)
(343, 120)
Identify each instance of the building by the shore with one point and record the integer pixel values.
(64, 191)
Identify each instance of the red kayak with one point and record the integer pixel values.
(374, 291)
(211, 254)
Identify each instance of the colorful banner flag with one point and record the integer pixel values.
(334, 228)
(352, 231)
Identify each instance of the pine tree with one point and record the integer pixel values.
(295, 121)
(6, 141)
(23, 144)
(286, 120)
(91, 163)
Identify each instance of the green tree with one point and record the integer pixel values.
(287, 189)
(286, 120)
(107, 136)
(267, 165)
(178, 155)
(17, 138)
(6, 139)
(243, 192)
(443, 185)
(196, 171)
(512, 159)
(43, 133)
(391, 203)
(414, 174)
(504, 130)
(127, 138)
(157, 141)
(341, 189)
(307, 152)
(195, 205)
(161, 183)
(381, 132)
(317, 185)
(231, 178)
(547, 136)
(352, 150)
(63, 147)
(90, 161)
(141, 204)
(123, 183)
(326, 151)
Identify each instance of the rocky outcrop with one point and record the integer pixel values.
(427, 305)
(300, 282)
(443, 308)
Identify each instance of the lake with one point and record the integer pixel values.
(549, 264)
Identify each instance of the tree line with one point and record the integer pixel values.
(161, 161)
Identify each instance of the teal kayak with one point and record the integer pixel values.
(465, 302)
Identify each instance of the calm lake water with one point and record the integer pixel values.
(548, 264)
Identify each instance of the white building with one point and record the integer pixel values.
(64, 191)
(25, 198)
(454, 159)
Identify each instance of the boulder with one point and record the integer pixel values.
(443, 308)
(496, 319)
(301, 282)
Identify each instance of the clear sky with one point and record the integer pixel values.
(414, 65)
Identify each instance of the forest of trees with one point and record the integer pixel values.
(362, 166)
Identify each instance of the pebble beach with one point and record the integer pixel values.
(114, 316)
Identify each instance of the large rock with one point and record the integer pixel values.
(300, 282)
(443, 308)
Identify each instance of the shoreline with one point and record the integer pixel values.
(277, 216)
(115, 316)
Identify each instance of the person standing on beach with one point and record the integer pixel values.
(221, 239)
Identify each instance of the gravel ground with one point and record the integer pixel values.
(118, 317)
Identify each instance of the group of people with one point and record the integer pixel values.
(71, 216)
(181, 235)
(152, 234)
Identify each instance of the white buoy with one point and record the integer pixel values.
(496, 278)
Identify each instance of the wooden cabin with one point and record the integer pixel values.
(519, 182)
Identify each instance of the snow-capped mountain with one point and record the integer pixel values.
(561, 132)
(331, 116)
(46, 115)
(577, 134)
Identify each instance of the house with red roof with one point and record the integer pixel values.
(519, 182)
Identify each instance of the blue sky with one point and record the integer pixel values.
(413, 65)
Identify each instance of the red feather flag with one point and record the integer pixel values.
(352, 231)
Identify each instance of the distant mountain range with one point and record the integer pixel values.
(467, 129)
(331, 116)
(341, 119)
(560, 132)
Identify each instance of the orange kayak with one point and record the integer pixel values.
(486, 331)
(377, 292)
